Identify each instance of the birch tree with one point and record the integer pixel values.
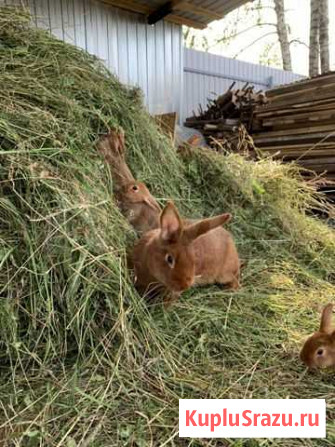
(314, 54)
(283, 34)
(324, 36)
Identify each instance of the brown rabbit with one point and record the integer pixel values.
(134, 199)
(180, 254)
(319, 349)
(139, 206)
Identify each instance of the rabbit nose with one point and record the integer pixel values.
(188, 281)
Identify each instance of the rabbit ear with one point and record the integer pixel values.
(203, 226)
(120, 136)
(326, 319)
(171, 224)
(151, 202)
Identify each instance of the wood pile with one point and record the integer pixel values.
(298, 123)
(220, 122)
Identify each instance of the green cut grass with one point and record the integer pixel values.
(84, 360)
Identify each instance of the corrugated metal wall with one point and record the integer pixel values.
(207, 76)
(153, 58)
(138, 54)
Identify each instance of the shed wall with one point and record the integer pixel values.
(139, 54)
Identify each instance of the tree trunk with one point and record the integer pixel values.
(314, 39)
(324, 36)
(283, 35)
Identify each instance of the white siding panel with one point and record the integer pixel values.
(68, 20)
(113, 61)
(56, 18)
(79, 23)
(168, 85)
(102, 32)
(142, 58)
(132, 50)
(122, 38)
(160, 68)
(41, 12)
(91, 26)
(151, 61)
(177, 62)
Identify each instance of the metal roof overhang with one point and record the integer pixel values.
(194, 13)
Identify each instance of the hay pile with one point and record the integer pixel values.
(83, 360)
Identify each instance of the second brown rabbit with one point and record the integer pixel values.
(319, 349)
(134, 199)
(138, 206)
(181, 253)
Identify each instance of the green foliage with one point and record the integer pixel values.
(84, 359)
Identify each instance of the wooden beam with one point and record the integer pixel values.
(159, 14)
(131, 5)
(172, 6)
(198, 10)
(180, 20)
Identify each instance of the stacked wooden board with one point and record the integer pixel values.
(298, 123)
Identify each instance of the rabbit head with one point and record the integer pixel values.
(319, 349)
(136, 193)
(169, 257)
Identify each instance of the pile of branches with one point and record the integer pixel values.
(221, 122)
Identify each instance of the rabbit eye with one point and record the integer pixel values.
(170, 260)
(135, 188)
(320, 352)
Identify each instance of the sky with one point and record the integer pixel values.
(297, 18)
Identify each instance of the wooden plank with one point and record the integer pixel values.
(301, 85)
(293, 112)
(302, 93)
(301, 146)
(167, 123)
(310, 129)
(327, 92)
(307, 153)
(263, 111)
(263, 139)
(297, 106)
(300, 118)
(327, 164)
(179, 20)
(161, 11)
(198, 10)
(289, 128)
